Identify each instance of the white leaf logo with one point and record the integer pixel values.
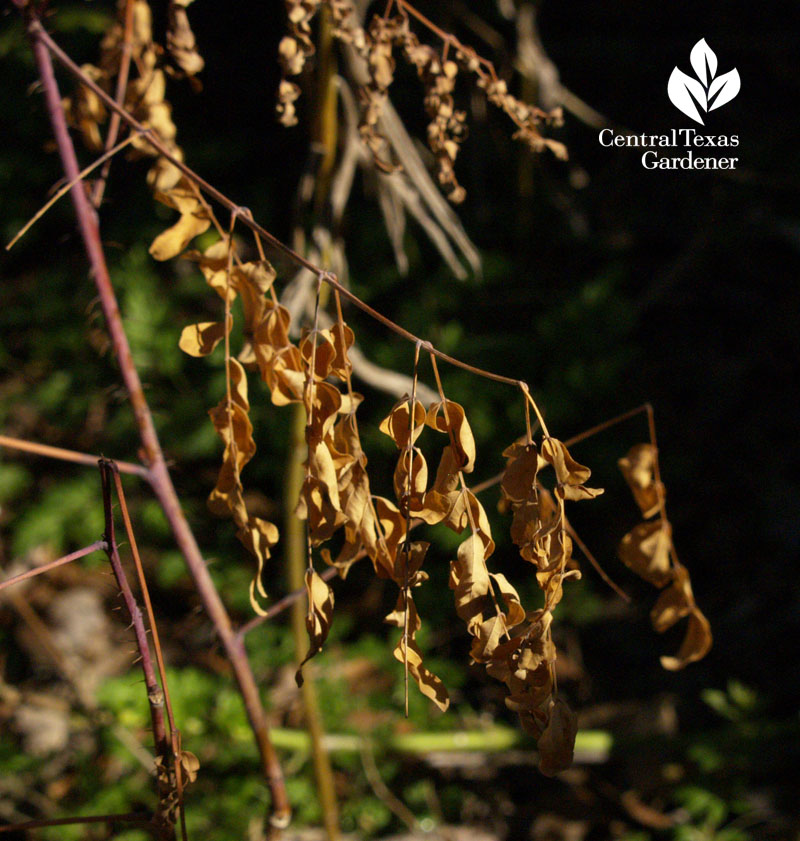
(708, 91)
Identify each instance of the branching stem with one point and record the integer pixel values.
(160, 480)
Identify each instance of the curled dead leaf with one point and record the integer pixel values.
(318, 619)
(190, 764)
(646, 551)
(696, 644)
(638, 468)
(449, 417)
(557, 742)
(201, 339)
(397, 423)
(674, 602)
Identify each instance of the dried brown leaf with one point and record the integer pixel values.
(519, 478)
(696, 644)
(646, 551)
(194, 220)
(429, 685)
(570, 475)
(638, 468)
(674, 602)
(557, 743)
(201, 339)
(452, 419)
(318, 618)
(397, 423)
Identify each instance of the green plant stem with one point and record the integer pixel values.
(590, 745)
(296, 561)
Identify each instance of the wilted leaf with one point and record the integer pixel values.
(638, 468)
(326, 400)
(318, 618)
(201, 339)
(674, 602)
(194, 221)
(429, 685)
(516, 612)
(487, 635)
(519, 478)
(319, 501)
(449, 417)
(190, 764)
(410, 480)
(469, 578)
(645, 550)
(696, 644)
(320, 346)
(557, 743)
(396, 424)
(569, 474)
(440, 499)
(180, 39)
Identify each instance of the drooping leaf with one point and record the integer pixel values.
(410, 480)
(194, 220)
(397, 426)
(519, 478)
(429, 685)
(569, 474)
(674, 602)
(469, 578)
(638, 468)
(318, 619)
(201, 339)
(557, 743)
(696, 644)
(645, 550)
(449, 417)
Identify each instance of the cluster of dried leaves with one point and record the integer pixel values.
(144, 95)
(649, 552)
(516, 645)
(437, 69)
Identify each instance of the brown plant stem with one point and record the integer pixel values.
(155, 695)
(160, 479)
(69, 455)
(119, 97)
(173, 732)
(80, 553)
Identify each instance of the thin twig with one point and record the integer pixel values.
(595, 563)
(119, 96)
(69, 455)
(155, 696)
(173, 732)
(602, 427)
(66, 188)
(80, 553)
